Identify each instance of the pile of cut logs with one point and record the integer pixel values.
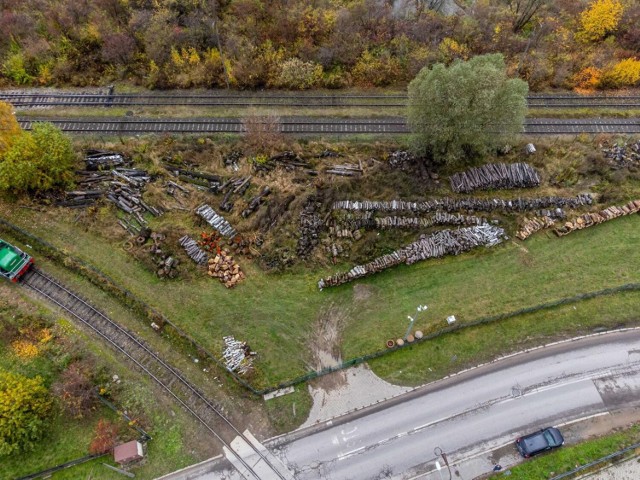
(345, 170)
(230, 187)
(193, 250)
(533, 225)
(495, 175)
(310, 226)
(438, 244)
(469, 204)
(222, 267)
(256, 201)
(216, 221)
(126, 192)
(80, 198)
(589, 219)
(103, 160)
(237, 356)
(205, 180)
(166, 264)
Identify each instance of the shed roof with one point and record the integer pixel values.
(128, 452)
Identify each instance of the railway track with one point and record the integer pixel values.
(187, 395)
(227, 99)
(316, 125)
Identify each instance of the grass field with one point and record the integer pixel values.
(276, 313)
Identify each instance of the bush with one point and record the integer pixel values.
(37, 161)
(298, 75)
(625, 73)
(24, 407)
(601, 19)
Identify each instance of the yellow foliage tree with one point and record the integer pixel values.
(600, 19)
(9, 128)
(587, 79)
(625, 73)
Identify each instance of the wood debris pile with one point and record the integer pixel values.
(166, 264)
(216, 221)
(230, 187)
(222, 267)
(193, 250)
(80, 198)
(310, 227)
(623, 155)
(125, 191)
(256, 201)
(438, 244)
(103, 160)
(590, 219)
(237, 356)
(345, 170)
(288, 160)
(533, 225)
(231, 160)
(469, 204)
(495, 176)
(201, 179)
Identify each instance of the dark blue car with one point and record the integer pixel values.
(539, 442)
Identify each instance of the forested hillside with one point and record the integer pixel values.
(299, 44)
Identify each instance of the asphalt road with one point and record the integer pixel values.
(470, 413)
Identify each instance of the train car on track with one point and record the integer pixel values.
(13, 262)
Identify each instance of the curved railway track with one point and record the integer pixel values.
(317, 125)
(227, 99)
(187, 395)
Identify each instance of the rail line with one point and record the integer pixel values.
(316, 125)
(187, 395)
(227, 99)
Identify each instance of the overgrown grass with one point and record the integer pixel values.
(569, 457)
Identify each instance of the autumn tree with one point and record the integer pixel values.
(25, 405)
(104, 438)
(601, 19)
(9, 128)
(37, 161)
(468, 108)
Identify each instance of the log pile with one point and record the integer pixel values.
(439, 218)
(533, 225)
(345, 170)
(205, 180)
(231, 187)
(193, 250)
(469, 204)
(125, 191)
(438, 244)
(216, 221)
(80, 198)
(310, 227)
(222, 267)
(103, 160)
(256, 201)
(623, 155)
(166, 264)
(495, 176)
(237, 356)
(590, 219)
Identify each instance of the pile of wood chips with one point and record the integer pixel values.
(222, 267)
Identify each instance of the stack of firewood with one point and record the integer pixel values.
(531, 226)
(310, 227)
(222, 267)
(495, 175)
(103, 159)
(346, 170)
(216, 221)
(589, 219)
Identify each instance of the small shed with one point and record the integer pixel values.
(128, 452)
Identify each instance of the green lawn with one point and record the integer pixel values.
(275, 313)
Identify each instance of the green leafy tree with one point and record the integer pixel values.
(25, 405)
(37, 161)
(466, 109)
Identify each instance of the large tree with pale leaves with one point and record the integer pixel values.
(466, 109)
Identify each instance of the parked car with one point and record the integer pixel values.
(539, 442)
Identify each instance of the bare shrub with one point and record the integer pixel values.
(262, 132)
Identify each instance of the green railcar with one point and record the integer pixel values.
(13, 262)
